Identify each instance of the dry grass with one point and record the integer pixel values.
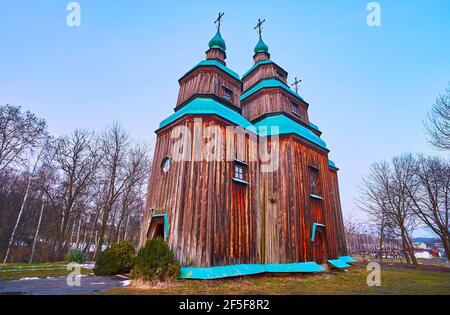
(395, 280)
(41, 270)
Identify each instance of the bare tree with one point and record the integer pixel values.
(351, 224)
(75, 159)
(373, 200)
(438, 122)
(114, 144)
(87, 188)
(19, 133)
(138, 168)
(31, 174)
(385, 197)
(42, 177)
(38, 227)
(430, 196)
(400, 211)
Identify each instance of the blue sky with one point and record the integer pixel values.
(369, 88)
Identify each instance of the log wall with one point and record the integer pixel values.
(207, 80)
(215, 221)
(263, 72)
(270, 101)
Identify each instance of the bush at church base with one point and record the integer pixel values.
(116, 259)
(155, 262)
(76, 256)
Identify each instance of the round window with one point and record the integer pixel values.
(166, 164)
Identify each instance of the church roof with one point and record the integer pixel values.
(287, 126)
(261, 47)
(208, 106)
(259, 63)
(314, 126)
(217, 42)
(217, 64)
(270, 83)
(331, 163)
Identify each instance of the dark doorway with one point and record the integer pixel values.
(156, 229)
(320, 246)
(159, 232)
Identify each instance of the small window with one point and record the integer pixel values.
(227, 94)
(166, 164)
(240, 171)
(294, 109)
(314, 181)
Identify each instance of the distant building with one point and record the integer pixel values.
(422, 253)
(427, 253)
(420, 245)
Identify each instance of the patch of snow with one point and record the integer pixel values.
(29, 278)
(88, 266)
(125, 283)
(98, 283)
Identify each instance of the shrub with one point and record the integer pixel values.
(155, 261)
(116, 259)
(76, 256)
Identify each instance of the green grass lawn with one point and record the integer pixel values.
(394, 280)
(42, 270)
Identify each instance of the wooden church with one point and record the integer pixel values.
(231, 210)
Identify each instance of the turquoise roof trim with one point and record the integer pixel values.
(209, 106)
(314, 196)
(331, 163)
(314, 126)
(244, 270)
(259, 63)
(286, 126)
(219, 65)
(273, 125)
(270, 83)
(240, 181)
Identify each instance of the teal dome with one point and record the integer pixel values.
(217, 42)
(261, 47)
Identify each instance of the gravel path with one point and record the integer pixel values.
(58, 285)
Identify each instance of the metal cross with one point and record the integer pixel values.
(259, 26)
(219, 20)
(296, 83)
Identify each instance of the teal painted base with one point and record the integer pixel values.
(337, 263)
(245, 270)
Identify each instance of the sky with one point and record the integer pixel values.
(369, 88)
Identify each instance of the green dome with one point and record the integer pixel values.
(261, 47)
(217, 42)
